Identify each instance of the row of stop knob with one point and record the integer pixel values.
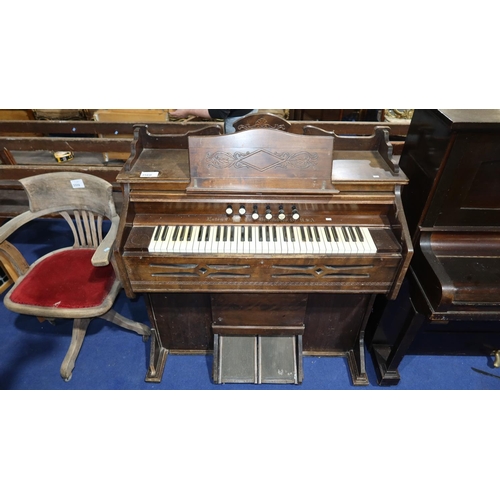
(268, 213)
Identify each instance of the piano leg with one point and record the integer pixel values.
(386, 358)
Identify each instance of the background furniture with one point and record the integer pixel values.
(451, 301)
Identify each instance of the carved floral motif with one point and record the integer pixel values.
(262, 123)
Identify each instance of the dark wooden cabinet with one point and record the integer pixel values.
(451, 301)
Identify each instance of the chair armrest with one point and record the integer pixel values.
(103, 252)
(13, 224)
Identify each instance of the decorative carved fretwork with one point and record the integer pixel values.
(261, 160)
(262, 123)
(322, 271)
(201, 270)
(226, 271)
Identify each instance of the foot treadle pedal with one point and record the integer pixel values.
(258, 359)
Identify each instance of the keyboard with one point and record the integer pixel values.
(262, 239)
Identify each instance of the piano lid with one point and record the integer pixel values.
(261, 161)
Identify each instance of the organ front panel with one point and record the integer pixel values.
(281, 220)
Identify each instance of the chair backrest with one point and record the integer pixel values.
(59, 191)
(83, 200)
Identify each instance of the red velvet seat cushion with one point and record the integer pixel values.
(66, 279)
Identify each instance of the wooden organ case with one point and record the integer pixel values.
(252, 247)
(450, 302)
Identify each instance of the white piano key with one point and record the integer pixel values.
(369, 239)
(165, 240)
(191, 241)
(184, 239)
(176, 238)
(162, 236)
(322, 241)
(280, 244)
(304, 233)
(285, 240)
(154, 238)
(252, 246)
(315, 243)
(211, 244)
(295, 239)
(347, 247)
(259, 237)
(245, 244)
(265, 239)
(154, 244)
(233, 239)
(226, 238)
(355, 240)
(200, 241)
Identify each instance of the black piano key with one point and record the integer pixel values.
(207, 233)
(268, 238)
(352, 233)
(260, 233)
(302, 233)
(250, 233)
(190, 233)
(292, 234)
(217, 234)
(309, 233)
(242, 233)
(285, 235)
(316, 233)
(164, 234)
(200, 234)
(224, 236)
(334, 234)
(176, 233)
(182, 233)
(327, 235)
(231, 237)
(157, 232)
(275, 236)
(345, 233)
(360, 234)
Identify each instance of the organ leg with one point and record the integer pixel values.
(356, 356)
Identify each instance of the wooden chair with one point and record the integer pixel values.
(77, 282)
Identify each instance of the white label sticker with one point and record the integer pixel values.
(77, 183)
(149, 174)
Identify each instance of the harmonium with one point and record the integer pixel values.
(262, 246)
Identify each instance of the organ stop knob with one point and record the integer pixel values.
(255, 213)
(268, 214)
(281, 213)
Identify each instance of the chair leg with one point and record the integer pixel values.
(79, 329)
(124, 322)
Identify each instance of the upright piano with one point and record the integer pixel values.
(450, 302)
(262, 246)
